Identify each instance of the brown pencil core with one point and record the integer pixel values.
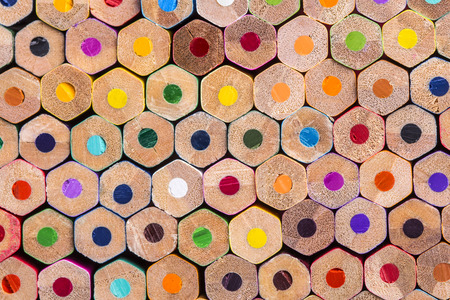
(14, 96)
(382, 88)
(442, 272)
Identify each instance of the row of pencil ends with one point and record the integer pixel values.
(389, 273)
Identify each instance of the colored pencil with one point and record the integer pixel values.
(253, 240)
(279, 91)
(281, 182)
(203, 237)
(231, 276)
(198, 47)
(306, 135)
(390, 273)
(10, 234)
(115, 12)
(151, 234)
(330, 87)
(64, 279)
(177, 188)
(284, 276)
(221, 12)
(9, 143)
(171, 93)
(167, 14)
(229, 186)
(6, 46)
(62, 14)
(66, 92)
(148, 139)
(361, 225)
(44, 141)
(250, 42)
(328, 11)
(18, 279)
(22, 187)
(308, 227)
(380, 11)
(99, 235)
(96, 143)
(118, 96)
(125, 189)
(91, 46)
(302, 43)
(21, 97)
(172, 277)
(201, 139)
(383, 87)
(120, 279)
(414, 226)
(227, 93)
(10, 13)
(143, 47)
(253, 138)
(385, 179)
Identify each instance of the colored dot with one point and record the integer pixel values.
(282, 280)
(306, 228)
(256, 238)
(360, 223)
(143, 46)
(153, 232)
(172, 93)
(113, 3)
(252, 139)
(438, 86)
(303, 45)
(441, 272)
(178, 187)
(14, 96)
(45, 142)
(62, 287)
(333, 181)
(8, 3)
(39, 46)
(101, 236)
(147, 138)
(202, 237)
(2, 233)
(335, 278)
(411, 133)
(199, 47)
(273, 2)
(232, 282)
(71, 188)
(65, 92)
(1, 143)
(168, 5)
(227, 95)
(63, 5)
(331, 85)
(283, 184)
(280, 92)
(384, 181)
(413, 228)
(10, 283)
(120, 288)
(172, 283)
(123, 194)
(309, 137)
(47, 236)
(225, 3)
(250, 41)
(359, 134)
(407, 38)
(382, 88)
(389, 273)
(117, 98)
(21, 190)
(355, 41)
(200, 140)
(438, 182)
(91, 47)
(229, 185)
(328, 3)
(96, 145)
(380, 1)
(433, 1)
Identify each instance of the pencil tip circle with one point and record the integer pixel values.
(438, 182)
(355, 41)
(120, 288)
(101, 236)
(407, 38)
(309, 137)
(62, 287)
(45, 142)
(232, 281)
(438, 86)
